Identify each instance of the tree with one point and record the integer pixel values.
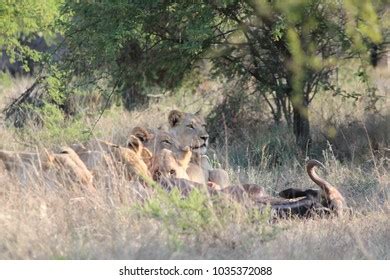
(21, 21)
(289, 49)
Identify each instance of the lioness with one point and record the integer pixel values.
(66, 162)
(168, 164)
(98, 154)
(169, 169)
(190, 130)
(155, 140)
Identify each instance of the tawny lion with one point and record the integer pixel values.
(190, 130)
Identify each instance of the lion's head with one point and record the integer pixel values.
(189, 130)
(156, 139)
(168, 164)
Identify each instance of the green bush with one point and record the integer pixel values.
(200, 216)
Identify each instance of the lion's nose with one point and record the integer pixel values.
(204, 137)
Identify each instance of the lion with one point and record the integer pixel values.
(66, 162)
(168, 164)
(169, 169)
(155, 140)
(190, 130)
(133, 158)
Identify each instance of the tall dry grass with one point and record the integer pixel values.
(122, 221)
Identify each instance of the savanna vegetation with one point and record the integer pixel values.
(278, 82)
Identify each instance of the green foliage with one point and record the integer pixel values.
(5, 80)
(362, 22)
(201, 216)
(20, 22)
(53, 128)
(286, 51)
(289, 49)
(136, 41)
(26, 18)
(56, 87)
(189, 215)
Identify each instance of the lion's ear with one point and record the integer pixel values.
(135, 144)
(141, 133)
(146, 154)
(174, 117)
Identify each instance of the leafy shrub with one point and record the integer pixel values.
(200, 216)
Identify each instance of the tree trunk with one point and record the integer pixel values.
(132, 97)
(301, 124)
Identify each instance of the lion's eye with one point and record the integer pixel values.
(172, 172)
(191, 126)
